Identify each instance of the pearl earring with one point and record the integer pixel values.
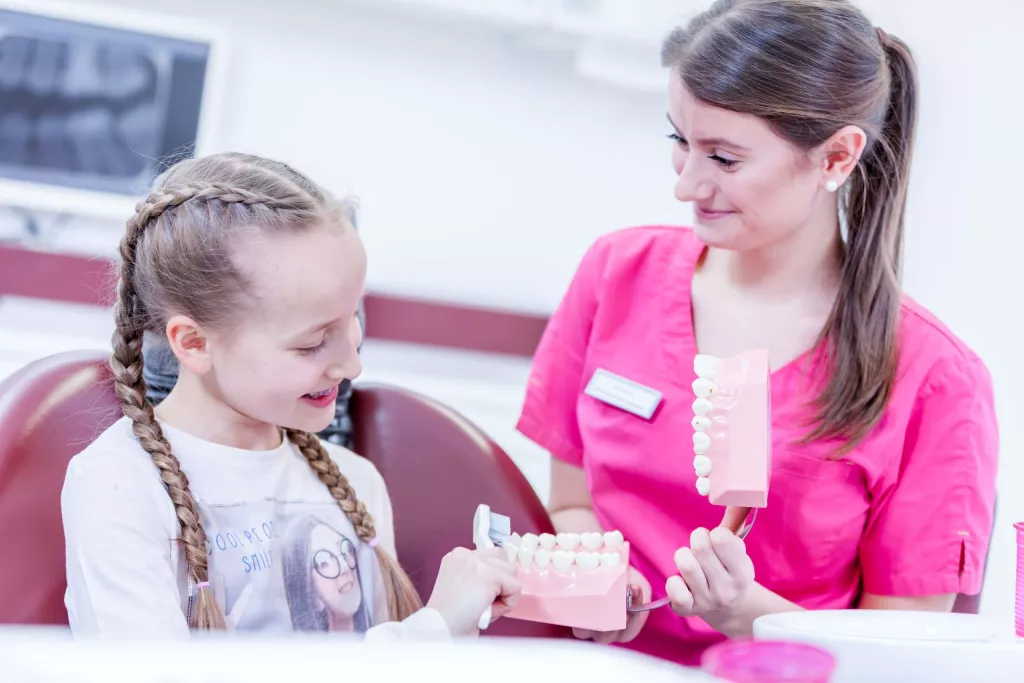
(831, 186)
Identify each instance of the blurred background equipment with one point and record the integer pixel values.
(92, 106)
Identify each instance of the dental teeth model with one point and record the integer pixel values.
(575, 580)
(563, 552)
(732, 428)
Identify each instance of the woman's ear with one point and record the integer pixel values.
(841, 152)
(189, 344)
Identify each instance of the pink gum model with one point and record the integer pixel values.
(732, 428)
(577, 580)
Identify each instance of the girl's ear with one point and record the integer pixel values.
(189, 344)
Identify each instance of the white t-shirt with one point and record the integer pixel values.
(283, 557)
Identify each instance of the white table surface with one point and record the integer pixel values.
(905, 647)
(30, 655)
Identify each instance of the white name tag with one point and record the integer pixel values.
(623, 393)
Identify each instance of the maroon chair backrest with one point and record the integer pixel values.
(438, 467)
(49, 410)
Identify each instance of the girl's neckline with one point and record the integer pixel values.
(187, 439)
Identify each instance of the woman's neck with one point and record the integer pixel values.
(191, 408)
(807, 262)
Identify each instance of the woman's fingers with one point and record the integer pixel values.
(732, 553)
(734, 518)
(680, 595)
(714, 571)
(601, 637)
(634, 621)
(692, 573)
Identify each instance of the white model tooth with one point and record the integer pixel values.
(511, 552)
(702, 406)
(705, 366)
(701, 443)
(703, 486)
(701, 423)
(592, 541)
(613, 539)
(514, 540)
(587, 561)
(561, 560)
(529, 541)
(610, 559)
(568, 541)
(702, 465)
(525, 556)
(703, 387)
(547, 541)
(542, 558)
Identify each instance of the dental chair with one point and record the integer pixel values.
(437, 466)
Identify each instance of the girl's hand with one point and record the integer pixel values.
(715, 573)
(634, 622)
(470, 581)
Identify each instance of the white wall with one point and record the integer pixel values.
(485, 169)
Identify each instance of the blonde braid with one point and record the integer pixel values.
(126, 365)
(403, 600)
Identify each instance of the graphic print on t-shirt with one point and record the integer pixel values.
(284, 566)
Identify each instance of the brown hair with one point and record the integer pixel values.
(175, 258)
(808, 68)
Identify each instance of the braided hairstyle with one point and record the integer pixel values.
(176, 258)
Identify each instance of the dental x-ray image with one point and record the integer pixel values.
(95, 107)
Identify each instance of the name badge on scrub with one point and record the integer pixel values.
(623, 393)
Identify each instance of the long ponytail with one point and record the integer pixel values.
(862, 331)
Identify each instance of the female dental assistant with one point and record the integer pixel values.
(782, 114)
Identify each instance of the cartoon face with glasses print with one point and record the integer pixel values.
(321, 577)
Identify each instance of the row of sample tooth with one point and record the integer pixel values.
(561, 560)
(706, 368)
(593, 542)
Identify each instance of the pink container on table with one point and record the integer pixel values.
(1019, 605)
(768, 661)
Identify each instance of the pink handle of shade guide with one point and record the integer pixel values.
(768, 661)
(1019, 600)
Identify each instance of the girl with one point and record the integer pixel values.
(180, 517)
(792, 124)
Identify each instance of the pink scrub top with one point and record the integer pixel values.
(907, 513)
